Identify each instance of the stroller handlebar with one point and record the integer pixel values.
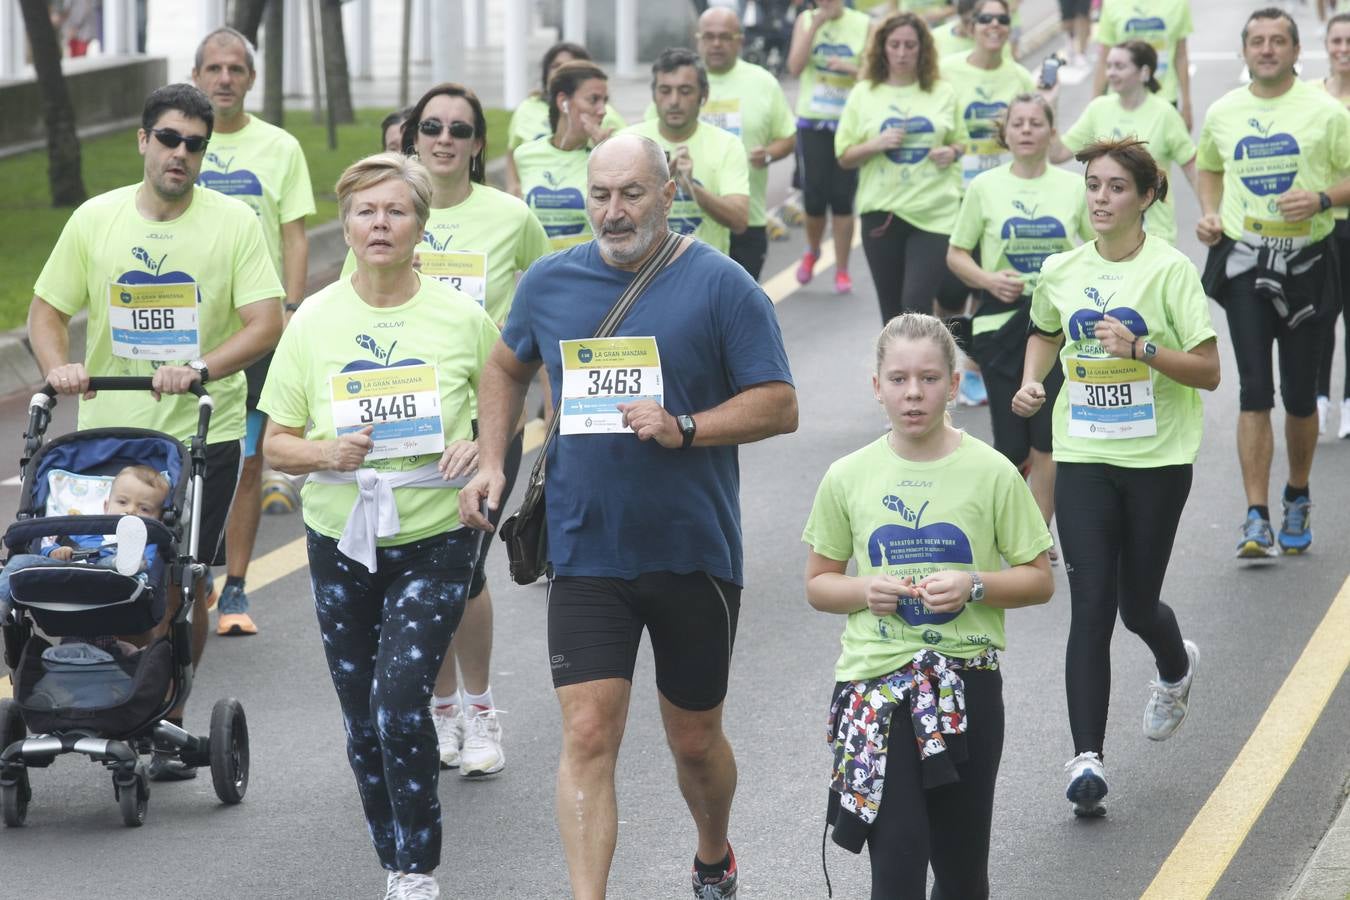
(125, 383)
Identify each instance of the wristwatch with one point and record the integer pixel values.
(976, 588)
(1324, 200)
(687, 428)
(200, 367)
(290, 307)
(1150, 350)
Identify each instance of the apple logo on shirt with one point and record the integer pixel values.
(382, 360)
(1083, 324)
(913, 125)
(239, 183)
(914, 543)
(1277, 175)
(156, 275)
(981, 115)
(1031, 238)
(556, 197)
(685, 214)
(824, 52)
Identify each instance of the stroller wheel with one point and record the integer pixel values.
(14, 791)
(133, 798)
(229, 750)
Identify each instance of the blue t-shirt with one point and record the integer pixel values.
(619, 507)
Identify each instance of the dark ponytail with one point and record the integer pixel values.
(1142, 54)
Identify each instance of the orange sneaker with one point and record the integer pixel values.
(212, 600)
(235, 625)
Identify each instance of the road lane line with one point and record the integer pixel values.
(1202, 855)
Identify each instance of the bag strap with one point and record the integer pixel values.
(645, 276)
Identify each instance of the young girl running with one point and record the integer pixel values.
(1130, 324)
(930, 515)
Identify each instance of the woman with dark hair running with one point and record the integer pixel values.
(1125, 318)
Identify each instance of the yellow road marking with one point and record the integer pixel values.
(1202, 855)
(784, 284)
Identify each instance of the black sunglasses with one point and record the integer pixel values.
(990, 18)
(171, 139)
(433, 128)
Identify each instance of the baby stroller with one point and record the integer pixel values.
(112, 710)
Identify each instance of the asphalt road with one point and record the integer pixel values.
(300, 832)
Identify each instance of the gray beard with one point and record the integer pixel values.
(648, 234)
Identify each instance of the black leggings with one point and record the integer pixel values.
(1342, 238)
(826, 185)
(1014, 436)
(946, 826)
(908, 264)
(1116, 527)
(385, 635)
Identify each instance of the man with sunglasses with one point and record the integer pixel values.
(263, 166)
(178, 286)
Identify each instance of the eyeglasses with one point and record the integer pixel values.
(990, 19)
(171, 139)
(433, 128)
(718, 37)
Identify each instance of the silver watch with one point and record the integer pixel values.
(976, 588)
(199, 366)
(1150, 350)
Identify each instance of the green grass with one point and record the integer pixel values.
(112, 161)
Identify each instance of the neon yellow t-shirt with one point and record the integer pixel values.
(497, 236)
(1264, 147)
(969, 511)
(1338, 212)
(529, 122)
(719, 167)
(1157, 295)
(216, 245)
(982, 97)
(264, 166)
(1017, 223)
(1159, 23)
(905, 181)
(553, 183)
(337, 332)
(821, 93)
(747, 101)
(1155, 121)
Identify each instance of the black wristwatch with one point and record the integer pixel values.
(687, 428)
(1324, 200)
(199, 366)
(291, 307)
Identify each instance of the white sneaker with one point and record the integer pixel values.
(392, 885)
(1323, 404)
(449, 735)
(131, 540)
(418, 887)
(1344, 430)
(1087, 785)
(481, 752)
(1166, 707)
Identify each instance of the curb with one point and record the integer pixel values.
(1327, 873)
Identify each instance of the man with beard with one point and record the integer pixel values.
(179, 286)
(712, 197)
(643, 506)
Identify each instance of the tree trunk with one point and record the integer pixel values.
(63, 145)
(274, 106)
(337, 81)
(247, 17)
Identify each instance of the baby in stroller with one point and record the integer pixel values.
(135, 491)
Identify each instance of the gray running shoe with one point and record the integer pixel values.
(1166, 707)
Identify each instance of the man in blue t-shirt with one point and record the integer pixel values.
(643, 504)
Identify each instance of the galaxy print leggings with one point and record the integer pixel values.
(385, 636)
